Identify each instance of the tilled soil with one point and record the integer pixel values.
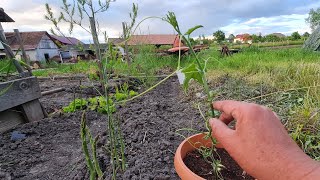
(52, 148)
(232, 171)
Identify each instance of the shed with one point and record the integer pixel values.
(152, 39)
(61, 40)
(39, 45)
(115, 41)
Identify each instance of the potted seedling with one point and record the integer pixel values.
(203, 144)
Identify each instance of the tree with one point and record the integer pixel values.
(306, 35)
(220, 36)
(231, 38)
(295, 36)
(271, 38)
(314, 18)
(84, 13)
(256, 38)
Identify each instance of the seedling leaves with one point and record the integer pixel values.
(191, 72)
(190, 31)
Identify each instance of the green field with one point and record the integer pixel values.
(268, 44)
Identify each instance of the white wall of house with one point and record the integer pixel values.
(31, 54)
(40, 53)
(46, 46)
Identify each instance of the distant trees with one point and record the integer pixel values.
(220, 36)
(231, 38)
(272, 38)
(295, 36)
(314, 18)
(257, 38)
(306, 35)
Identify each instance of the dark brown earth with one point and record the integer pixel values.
(199, 166)
(52, 148)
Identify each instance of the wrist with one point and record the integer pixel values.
(298, 165)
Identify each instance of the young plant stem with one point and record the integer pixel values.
(83, 135)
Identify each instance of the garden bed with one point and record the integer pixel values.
(52, 148)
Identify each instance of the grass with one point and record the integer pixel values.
(146, 62)
(6, 66)
(286, 80)
(268, 44)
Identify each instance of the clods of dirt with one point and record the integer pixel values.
(52, 148)
(232, 171)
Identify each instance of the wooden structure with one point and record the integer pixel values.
(21, 104)
(20, 97)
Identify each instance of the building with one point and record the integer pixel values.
(115, 41)
(152, 39)
(38, 45)
(243, 38)
(279, 35)
(62, 41)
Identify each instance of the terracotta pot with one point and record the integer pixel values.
(188, 145)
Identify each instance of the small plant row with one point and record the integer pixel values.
(98, 103)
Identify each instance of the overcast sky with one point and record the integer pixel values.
(231, 16)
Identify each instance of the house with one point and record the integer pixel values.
(152, 39)
(243, 38)
(62, 41)
(279, 35)
(38, 45)
(69, 47)
(84, 51)
(115, 41)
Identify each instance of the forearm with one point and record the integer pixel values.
(297, 165)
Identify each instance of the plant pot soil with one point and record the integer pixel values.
(189, 163)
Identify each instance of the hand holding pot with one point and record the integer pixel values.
(260, 144)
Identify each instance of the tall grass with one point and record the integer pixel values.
(293, 78)
(268, 44)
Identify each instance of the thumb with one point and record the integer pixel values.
(220, 131)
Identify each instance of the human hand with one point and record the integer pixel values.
(260, 144)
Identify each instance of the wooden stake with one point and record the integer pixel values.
(9, 52)
(24, 55)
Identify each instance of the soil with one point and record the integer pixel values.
(199, 166)
(52, 147)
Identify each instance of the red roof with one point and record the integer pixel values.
(152, 39)
(66, 40)
(244, 37)
(30, 40)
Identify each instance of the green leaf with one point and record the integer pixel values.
(191, 72)
(190, 31)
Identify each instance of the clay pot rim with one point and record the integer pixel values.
(178, 159)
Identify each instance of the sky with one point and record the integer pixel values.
(230, 16)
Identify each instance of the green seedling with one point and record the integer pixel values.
(196, 71)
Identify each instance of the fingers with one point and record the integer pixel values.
(220, 131)
(230, 109)
(226, 118)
